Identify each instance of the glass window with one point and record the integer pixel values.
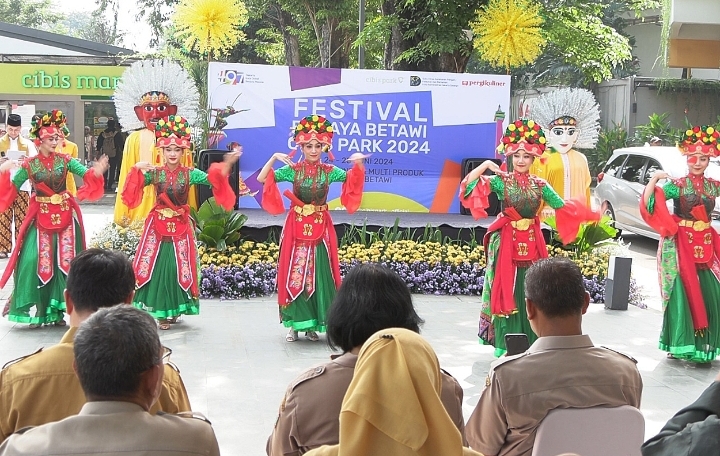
(612, 167)
(632, 171)
(652, 167)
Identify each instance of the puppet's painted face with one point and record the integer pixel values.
(562, 137)
(153, 107)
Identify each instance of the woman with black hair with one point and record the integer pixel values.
(371, 298)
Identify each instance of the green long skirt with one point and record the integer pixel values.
(162, 297)
(501, 325)
(310, 313)
(678, 336)
(48, 299)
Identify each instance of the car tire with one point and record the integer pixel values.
(611, 213)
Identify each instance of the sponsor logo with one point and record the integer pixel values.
(231, 77)
(484, 83)
(415, 81)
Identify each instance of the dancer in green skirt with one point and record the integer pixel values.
(166, 267)
(308, 267)
(689, 251)
(514, 241)
(52, 232)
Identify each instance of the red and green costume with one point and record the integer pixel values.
(512, 244)
(688, 266)
(166, 262)
(308, 266)
(50, 237)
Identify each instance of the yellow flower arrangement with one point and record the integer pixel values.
(210, 26)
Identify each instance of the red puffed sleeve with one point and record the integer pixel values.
(271, 198)
(477, 201)
(222, 191)
(132, 193)
(352, 189)
(660, 220)
(93, 187)
(8, 191)
(569, 217)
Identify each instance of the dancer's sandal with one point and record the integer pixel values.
(60, 323)
(312, 335)
(163, 325)
(35, 325)
(292, 336)
(173, 320)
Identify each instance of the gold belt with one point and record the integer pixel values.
(309, 209)
(169, 213)
(697, 225)
(522, 224)
(55, 199)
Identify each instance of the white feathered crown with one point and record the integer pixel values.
(147, 76)
(579, 104)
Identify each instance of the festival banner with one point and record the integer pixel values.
(416, 126)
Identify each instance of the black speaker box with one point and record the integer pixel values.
(205, 159)
(469, 164)
(617, 285)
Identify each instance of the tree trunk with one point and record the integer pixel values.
(290, 41)
(325, 43)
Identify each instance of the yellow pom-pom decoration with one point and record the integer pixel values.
(329, 129)
(512, 127)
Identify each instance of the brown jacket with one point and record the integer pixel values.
(47, 377)
(310, 411)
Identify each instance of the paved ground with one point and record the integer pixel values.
(236, 363)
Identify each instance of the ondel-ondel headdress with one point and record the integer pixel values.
(577, 104)
(163, 76)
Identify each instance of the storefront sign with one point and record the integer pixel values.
(40, 79)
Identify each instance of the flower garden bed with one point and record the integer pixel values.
(249, 269)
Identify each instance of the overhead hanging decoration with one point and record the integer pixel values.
(508, 33)
(210, 26)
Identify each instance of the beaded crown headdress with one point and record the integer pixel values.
(173, 130)
(700, 140)
(48, 124)
(523, 134)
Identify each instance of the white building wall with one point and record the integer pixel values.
(11, 46)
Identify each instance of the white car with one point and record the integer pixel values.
(623, 179)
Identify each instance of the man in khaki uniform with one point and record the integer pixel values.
(43, 387)
(562, 369)
(115, 420)
(310, 411)
(12, 141)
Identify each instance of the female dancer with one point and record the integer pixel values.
(50, 236)
(514, 241)
(308, 267)
(688, 252)
(165, 265)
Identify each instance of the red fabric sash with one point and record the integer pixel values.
(502, 298)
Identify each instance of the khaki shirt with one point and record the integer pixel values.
(47, 377)
(555, 372)
(310, 411)
(116, 429)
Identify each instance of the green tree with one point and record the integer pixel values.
(29, 13)
(92, 26)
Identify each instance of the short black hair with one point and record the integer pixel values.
(111, 123)
(556, 287)
(372, 297)
(99, 278)
(113, 348)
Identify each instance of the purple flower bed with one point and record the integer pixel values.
(258, 279)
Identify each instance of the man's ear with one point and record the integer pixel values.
(530, 309)
(68, 302)
(129, 298)
(586, 304)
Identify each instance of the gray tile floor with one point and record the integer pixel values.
(236, 364)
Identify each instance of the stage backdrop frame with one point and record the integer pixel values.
(417, 126)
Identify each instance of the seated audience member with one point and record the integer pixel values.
(562, 369)
(43, 387)
(393, 405)
(371, 298)
(119, 361)
(693, 431)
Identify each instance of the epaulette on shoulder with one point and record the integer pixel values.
(620, 353)
(307, 375)
(188, 414)
(10, 363)
(506, 359)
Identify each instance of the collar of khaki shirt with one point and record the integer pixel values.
(69, 336)
(109, 407)
(560, 343)
(346, 360)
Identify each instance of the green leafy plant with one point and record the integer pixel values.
(215, 227)
(590, 235)
(608, 141)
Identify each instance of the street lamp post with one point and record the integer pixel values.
(361, 21)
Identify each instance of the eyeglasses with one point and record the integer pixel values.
(165, 358)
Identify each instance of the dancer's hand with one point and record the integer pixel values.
(660, 175)
(492, 166)
(101, 165)
(7, 165)
(229, 160)
(144, 166)
(285, 158)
